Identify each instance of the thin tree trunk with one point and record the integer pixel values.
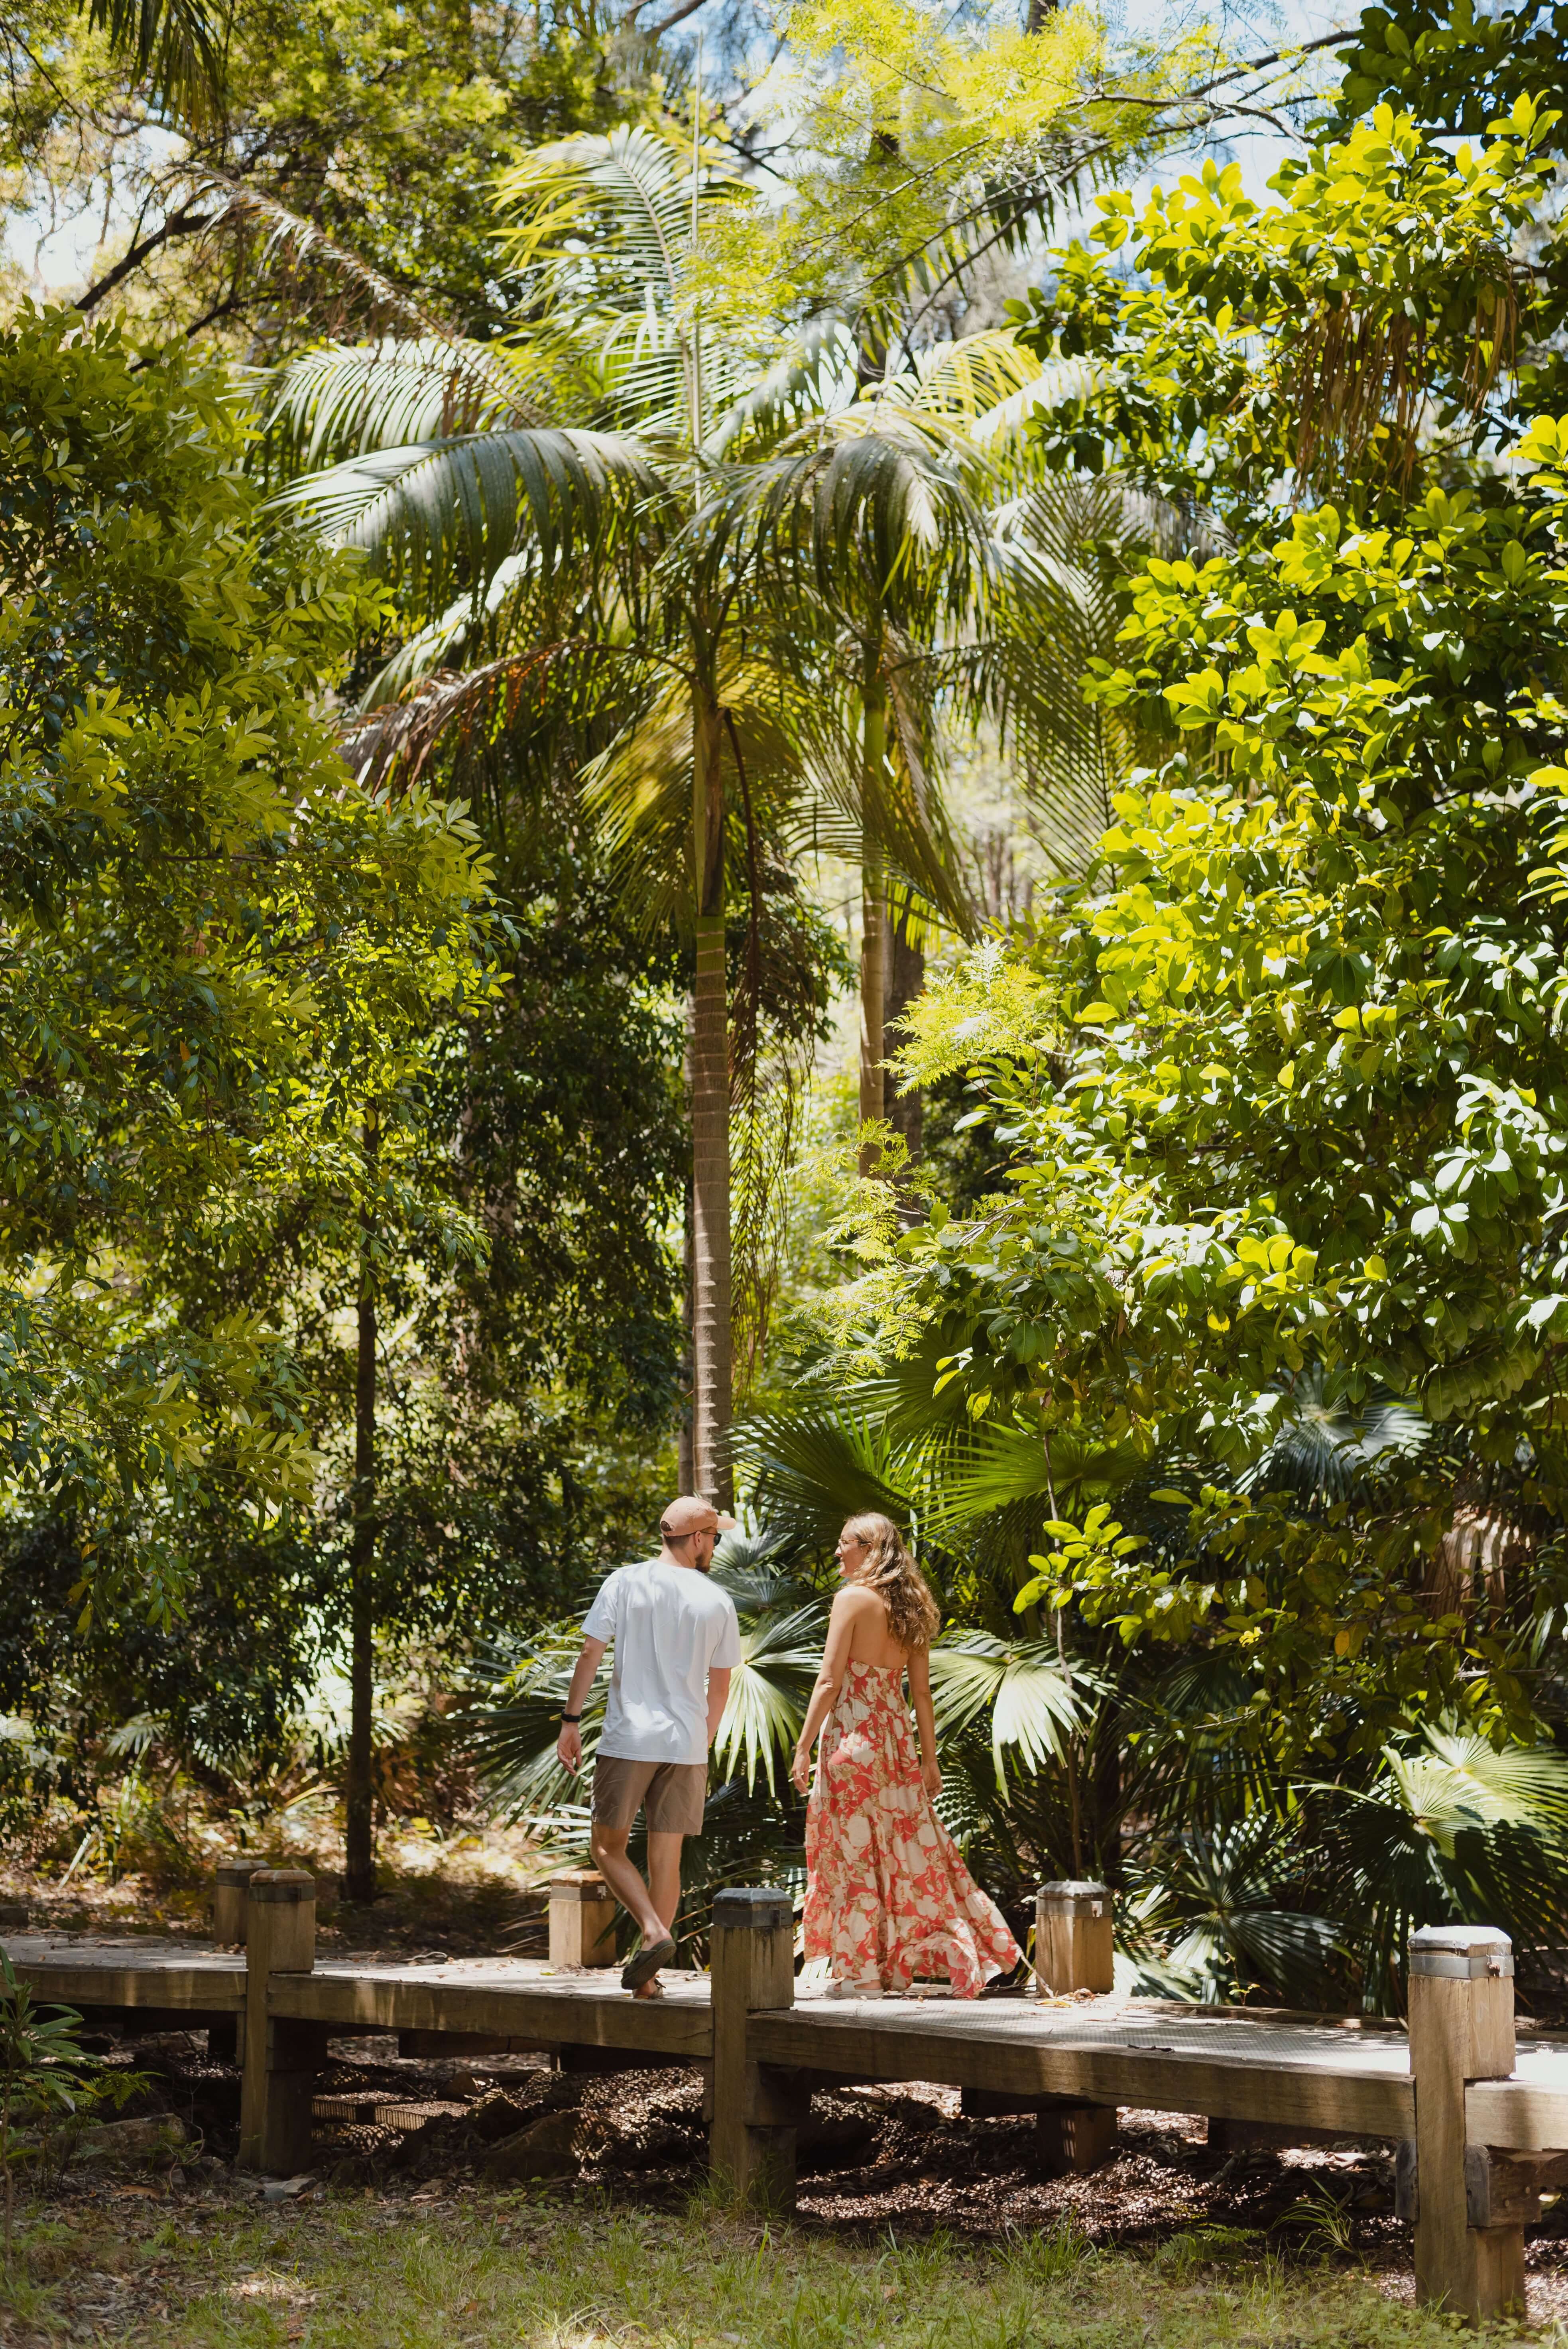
(686, 1472)
(712, 1357)
(905, 979)
(359, 1855)
(873, 909)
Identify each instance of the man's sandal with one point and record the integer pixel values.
(646, 1964)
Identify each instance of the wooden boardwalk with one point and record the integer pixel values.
(1482, 2122)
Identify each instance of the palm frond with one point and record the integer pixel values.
(176, 44)
(1031, 1701)
(1328, 1447)
(347, 400)
(812, 1469)
(459, 508)
(291, 235)
(768, 1692)
(1220, 1901)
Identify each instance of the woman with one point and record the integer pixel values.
(888, 1896)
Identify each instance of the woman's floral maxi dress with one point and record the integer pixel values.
(888, 1896)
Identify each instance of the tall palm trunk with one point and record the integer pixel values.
(873, 904)
(712, 1356)
(359, 1855)
(905, 979)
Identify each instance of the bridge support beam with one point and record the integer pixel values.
(756, 2108)
(1074, 1952)
(1462, 2029)
(281, 2056)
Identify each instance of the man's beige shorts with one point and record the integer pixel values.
(670, 1793)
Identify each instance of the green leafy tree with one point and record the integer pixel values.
(1279, 1089)
(224, 959)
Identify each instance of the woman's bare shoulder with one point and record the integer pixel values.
(852, 1601)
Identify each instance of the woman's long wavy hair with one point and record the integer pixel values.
(913, 1614)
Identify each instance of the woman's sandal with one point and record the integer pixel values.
(646, 1964)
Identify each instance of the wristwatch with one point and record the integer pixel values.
(570, 1716)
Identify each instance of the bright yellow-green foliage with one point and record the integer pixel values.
(902, 115)
(1250, 340)
(1281, 1093)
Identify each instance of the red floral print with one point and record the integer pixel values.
(888, 1896)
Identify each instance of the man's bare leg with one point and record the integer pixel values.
(664, 1877)
(608, 1846)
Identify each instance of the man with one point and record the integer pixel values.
(676, 1641)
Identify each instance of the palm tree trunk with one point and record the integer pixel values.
(873, 907)
(873, 983)
(905, 980)
(712, 1356)
(359, 1855)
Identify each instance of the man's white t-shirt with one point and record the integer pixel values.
(670, 1627)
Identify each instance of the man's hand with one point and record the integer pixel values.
(569, 1744)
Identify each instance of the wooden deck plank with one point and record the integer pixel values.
(1332, 2073)
(1527, 2113)
(132, 1973)
(1371, 2100)
(567, 2012)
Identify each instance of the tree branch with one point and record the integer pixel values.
(186, 222)
(676, 16)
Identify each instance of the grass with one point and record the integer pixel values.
(490, 2270)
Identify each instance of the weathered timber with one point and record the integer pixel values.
(1073, 1938)
(1528, 2114)
(1504, 2189)
(988, 2048)
(424, 2044)
(283, 2057)
(182, 1984)
(751, 2144)
(582, 1920)
(537, 2014)
(230, 1895)
(1075, 2138)
(1462, 2029)
(1074, 1952)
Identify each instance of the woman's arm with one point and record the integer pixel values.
(919, 1670)
(829, 1681)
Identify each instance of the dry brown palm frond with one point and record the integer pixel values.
(395, 743)
(1360, 372)
(294, 240)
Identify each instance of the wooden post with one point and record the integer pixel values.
(756, 2110)
(1462, 2029)
(1074, 1952)
(282, 2057)
(582, 1920)
(229, 1901)
(1073, 1938)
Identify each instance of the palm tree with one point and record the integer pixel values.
(618, 551)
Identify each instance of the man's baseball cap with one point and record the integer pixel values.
(689, 1513)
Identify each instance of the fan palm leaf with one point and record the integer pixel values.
(768, 1691)
(1020, 1687)
(1220, 1902)
(812, 1468)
